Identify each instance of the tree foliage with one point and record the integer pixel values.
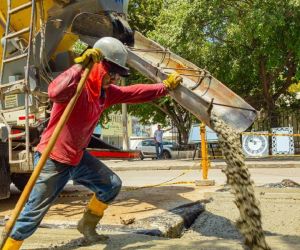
(143, 14)
(253, 46)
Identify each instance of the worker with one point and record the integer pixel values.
(69, 159)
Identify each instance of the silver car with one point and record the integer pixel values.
(148, 150)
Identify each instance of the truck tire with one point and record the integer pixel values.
(20, 180)
(4, 171)
(166, 155)
(141, 156)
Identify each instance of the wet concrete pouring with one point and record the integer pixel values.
(238, 177)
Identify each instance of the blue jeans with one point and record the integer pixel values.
(90, 172)
(159, 150)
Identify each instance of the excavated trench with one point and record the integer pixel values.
(170, 224)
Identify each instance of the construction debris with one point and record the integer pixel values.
(127, 221)
(285, 183)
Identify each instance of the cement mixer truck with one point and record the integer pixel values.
(38, 38)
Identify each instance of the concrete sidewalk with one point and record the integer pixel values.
(185, 164)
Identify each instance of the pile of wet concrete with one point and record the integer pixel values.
(285, 183)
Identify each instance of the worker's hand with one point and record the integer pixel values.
(90, 54)
(172, 81)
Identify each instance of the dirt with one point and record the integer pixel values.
(280, 219)
(129, 205)
(213, 230)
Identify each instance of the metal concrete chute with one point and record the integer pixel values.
(200, 93)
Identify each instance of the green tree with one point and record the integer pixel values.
(251, 45)
(142, 14)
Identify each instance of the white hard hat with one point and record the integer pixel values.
(115, 53)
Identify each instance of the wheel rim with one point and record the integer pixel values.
(166, 155)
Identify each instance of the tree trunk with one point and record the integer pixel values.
(267, 93)
(184, 134)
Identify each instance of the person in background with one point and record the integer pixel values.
(158, 138)
(69, 160)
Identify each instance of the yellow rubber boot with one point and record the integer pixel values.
(91, 216)
(12, 244)
(96, 207)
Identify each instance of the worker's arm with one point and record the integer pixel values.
(140, 93)
(63, 87)
(137, 93)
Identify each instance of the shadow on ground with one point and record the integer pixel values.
(165, 198)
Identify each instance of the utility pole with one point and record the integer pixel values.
(124, 122)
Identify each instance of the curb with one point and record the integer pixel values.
(194, 166)
(279, 195)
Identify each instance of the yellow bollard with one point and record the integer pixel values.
(204, 159)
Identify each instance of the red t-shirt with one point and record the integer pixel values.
(76, 134)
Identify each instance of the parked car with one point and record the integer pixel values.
(148, 150)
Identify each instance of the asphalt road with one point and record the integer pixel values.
(260, 176)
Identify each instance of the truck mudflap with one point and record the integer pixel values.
(110, 154)
(102, 150)
(200, 93)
